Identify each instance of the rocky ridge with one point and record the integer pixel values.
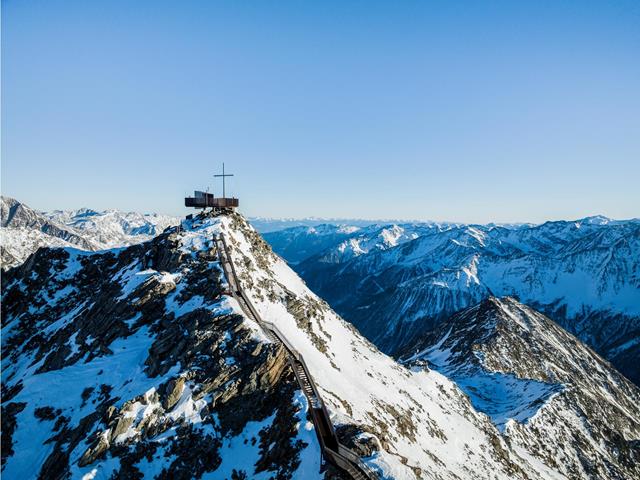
(511, 359)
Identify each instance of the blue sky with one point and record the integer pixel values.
(471, 111)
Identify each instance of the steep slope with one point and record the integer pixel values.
(510, 360)
(585, 275)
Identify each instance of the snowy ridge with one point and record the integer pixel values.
(531, 376)
(333, 450)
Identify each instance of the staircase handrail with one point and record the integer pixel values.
(344, 457)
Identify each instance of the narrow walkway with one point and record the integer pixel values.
(332, 450)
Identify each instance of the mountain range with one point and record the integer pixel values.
(140, 362)
(397, 282)
(24, 230)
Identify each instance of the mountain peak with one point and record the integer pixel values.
(596, 220)
(528, 374)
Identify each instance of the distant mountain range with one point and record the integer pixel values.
(397, 282)
(24, 230)
(344, 241)
(274, 224)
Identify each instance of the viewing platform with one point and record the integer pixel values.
(207, 200)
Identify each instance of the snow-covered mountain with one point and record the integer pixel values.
(298, 243)
(584, 274)
(340, 242)
(137, 363)
(275, 224)
(112, 228)
(24, 230)
(511, 359)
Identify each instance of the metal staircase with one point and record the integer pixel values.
(332, 450)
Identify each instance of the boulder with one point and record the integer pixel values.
(173, 392)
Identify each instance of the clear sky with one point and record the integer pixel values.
(472, 111)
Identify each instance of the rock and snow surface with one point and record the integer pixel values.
(134, 362)
(583, 274)
(24, 230)
(530, 376)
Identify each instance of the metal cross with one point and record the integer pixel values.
(224, 193)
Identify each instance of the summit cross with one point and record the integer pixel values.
(224, 193)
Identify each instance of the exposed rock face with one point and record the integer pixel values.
(132, 363)
(542, 387)
(173, 392)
